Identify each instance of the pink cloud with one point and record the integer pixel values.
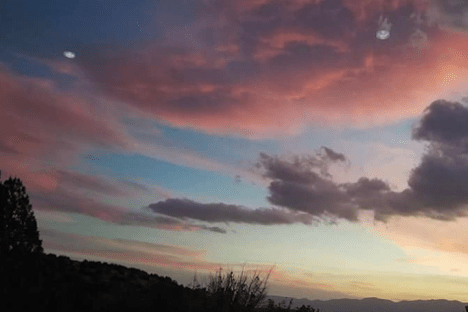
(272, 70)
(130, 251)
(42, 125)
(46, 129)
(125, 250)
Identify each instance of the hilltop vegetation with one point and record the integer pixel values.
(45, 282)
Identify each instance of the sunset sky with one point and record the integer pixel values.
(186, 135)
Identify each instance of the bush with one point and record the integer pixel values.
(228, 293)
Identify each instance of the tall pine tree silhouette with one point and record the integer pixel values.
(18, 226)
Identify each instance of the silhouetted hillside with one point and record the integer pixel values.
(45, 282)
(51, 283)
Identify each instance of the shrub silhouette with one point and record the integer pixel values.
(18, 227)
(228, 293)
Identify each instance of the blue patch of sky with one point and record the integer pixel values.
(393, 134)
(397, 135)
(223, 148)
(28, 67)
(47, 28)
(226, 149)
(308, 142)
(193, 183)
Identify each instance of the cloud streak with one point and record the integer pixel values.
(184, 208)
(126, 250)
(105, 186)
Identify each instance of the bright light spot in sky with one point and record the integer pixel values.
(69, 54)
(384, 28)
(383, 34)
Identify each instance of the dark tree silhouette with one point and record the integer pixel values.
(18, 226)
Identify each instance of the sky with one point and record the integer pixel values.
(181, 136)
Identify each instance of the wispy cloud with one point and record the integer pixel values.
(100, 184)
(127, 250)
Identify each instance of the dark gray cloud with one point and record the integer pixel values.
(451, 13)
(300, 170)
(162, 222)
(317, 198)
(214, 229)
(219, 212)
(437, 186)
(444, 122)
(334, 156)
(437, 189)
(440, 180)
(296, 187)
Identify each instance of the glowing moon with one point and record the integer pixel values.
(69, 54)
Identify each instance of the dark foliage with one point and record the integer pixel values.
(230, 293)
(18, 227)
(52, 283)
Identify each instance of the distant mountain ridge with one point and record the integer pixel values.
(375, 305)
